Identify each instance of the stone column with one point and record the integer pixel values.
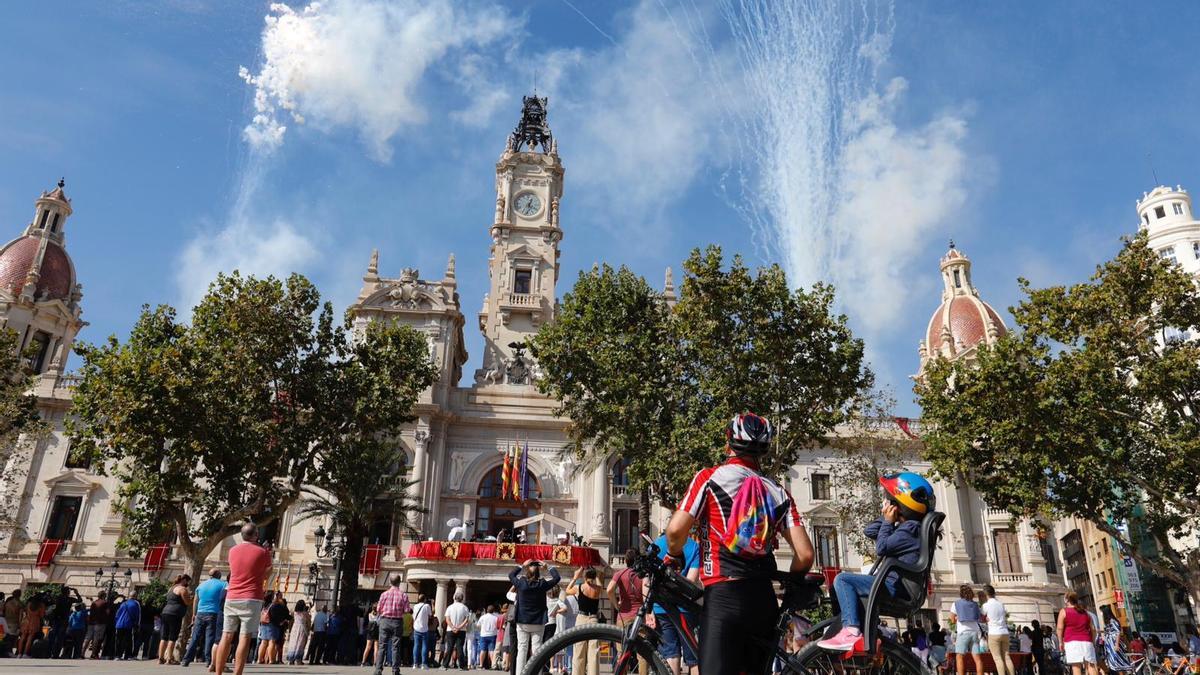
(460, 586)
(1035, 561)
(418, 491)
(959, 532)
(439, 602)
(601, 505)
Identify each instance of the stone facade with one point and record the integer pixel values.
(457, 444)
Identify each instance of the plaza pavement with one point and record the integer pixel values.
(86, 667)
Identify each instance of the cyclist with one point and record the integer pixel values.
(739, 511)
(897, 533)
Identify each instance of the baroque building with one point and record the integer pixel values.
(457, 446)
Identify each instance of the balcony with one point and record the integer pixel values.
(1012, 578)
(522, 300)
(621, 491)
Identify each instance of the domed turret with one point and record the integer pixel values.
(36, 266)
(1165, 215)
(962, 322)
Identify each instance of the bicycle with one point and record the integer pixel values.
(621, 649)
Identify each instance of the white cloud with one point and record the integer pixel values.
(360, 64)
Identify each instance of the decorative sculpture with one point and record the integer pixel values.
(533, 130)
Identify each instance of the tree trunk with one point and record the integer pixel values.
(643, 517)
(193, 563)
(355, 534)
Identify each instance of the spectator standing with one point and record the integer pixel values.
(458, 617)
(1077, 635)
(97, 624)
(209, 603)
(625, 594)
(531, 607)
(674, 647)
(278, 618)
(14, 610)
(967, 614)
(406, 639)
(298, 635)
(487, 629)
(421, 624)
(129, 618)
(31, 626)
(1038, 646)
(1114, 655)
(179, 598)
(393, 605)
(316, 642)
(249, 565)
(372, 639)
(333, 635)
(997, 631)
(565, 611)
(58, 615)
(76, 631)
(586, 659)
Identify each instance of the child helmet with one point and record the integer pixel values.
(911, 492)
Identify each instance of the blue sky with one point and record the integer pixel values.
(1022, 130)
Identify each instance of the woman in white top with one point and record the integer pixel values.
(997, 632)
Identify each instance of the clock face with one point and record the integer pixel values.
(528, 204)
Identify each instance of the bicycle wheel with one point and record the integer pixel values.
(893, 659)
(608, 640)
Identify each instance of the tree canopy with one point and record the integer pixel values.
(222, 420)
(21, 426)
(1087, 409)
(656, 383)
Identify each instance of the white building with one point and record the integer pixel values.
(457, 444)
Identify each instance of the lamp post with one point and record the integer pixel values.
(314, 576)
(332, 545)
(111, 584)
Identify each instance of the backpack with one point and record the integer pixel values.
(265, 615)
(751, 524)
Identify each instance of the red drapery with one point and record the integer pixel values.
(372, 559)
(575, 556)
(48, 550)
(830, 574)
(156, 557)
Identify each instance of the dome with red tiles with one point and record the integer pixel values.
(963, 321)
(56, 278)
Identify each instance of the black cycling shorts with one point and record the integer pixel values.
(737, 633)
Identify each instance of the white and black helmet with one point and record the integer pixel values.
(749, 433)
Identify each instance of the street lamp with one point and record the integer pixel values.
(332, 545)
(310, 586)
(111, 584)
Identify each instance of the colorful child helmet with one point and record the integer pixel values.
(749, 433)
(911, 492)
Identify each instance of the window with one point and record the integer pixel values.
(1177, 208)
(1048, 554)
(76, 460)
(1196, 250)
(382, 527)
(39, 346)
(42, 222)
(620, 479)
(1145, 219)
(63, 515)
(820, 486)
(625, 530)
(957, 279)
(825, 545)
(1160, 212)
(1168, 254)
(521, 281)
(1008, 552)
(54, 223)
(497, 511)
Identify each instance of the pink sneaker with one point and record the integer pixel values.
(844, 641)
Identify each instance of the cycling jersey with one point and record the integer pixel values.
(709, 499)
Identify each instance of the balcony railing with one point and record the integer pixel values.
(523, 300)
(620, 491)
(1011, 578)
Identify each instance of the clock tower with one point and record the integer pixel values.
(523, 266)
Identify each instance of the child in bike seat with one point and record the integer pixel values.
(897, 534)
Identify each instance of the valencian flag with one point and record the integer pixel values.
(506, 473)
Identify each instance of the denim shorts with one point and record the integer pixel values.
(673, 644)
(966, 642)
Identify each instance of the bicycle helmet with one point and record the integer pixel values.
(749, 434)
(910, 492)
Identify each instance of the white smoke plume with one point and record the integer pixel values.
(360, 64)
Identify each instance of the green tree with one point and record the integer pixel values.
(222, 420)
(657, 384)
(1087, 409)
(608, 358)
(21, 426)
(361, 474)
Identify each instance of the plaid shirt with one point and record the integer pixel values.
(392, 604)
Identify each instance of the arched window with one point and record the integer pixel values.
(497, 511)
(620, 477)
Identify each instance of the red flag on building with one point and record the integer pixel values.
(507, 474)
(516, 473)
(48, 550)
(372, 560)
(156, 557)
(904, 424)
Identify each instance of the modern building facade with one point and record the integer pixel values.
(463, 431)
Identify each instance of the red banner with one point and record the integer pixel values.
(48, 550)
(830, 574)
(462, 551)
(156, 557)
(905, 425)
(372, 559)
